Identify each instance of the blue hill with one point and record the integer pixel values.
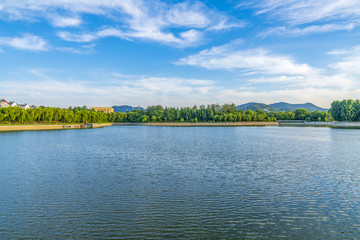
(281, 106)
(126, 108)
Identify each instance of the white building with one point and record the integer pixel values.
(4, 103)
(13, 104)
(24, 106)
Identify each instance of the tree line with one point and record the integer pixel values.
(209, 113)
(345, 110)
(51, 115)
(213, 113)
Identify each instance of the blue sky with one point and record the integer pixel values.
(178, 53)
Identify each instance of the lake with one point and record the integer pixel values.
(180, 182)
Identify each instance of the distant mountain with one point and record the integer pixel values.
(255, 106)
(281, 106)
(126, 108)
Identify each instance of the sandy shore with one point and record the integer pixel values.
(202, 124)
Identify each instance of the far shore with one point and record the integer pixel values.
(200, 124)
(38, 127)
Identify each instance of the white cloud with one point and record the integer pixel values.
(42, 88)
(337, 81)
(90, 37)
(72, 50)
(302, 17)
(77, 37)
(184, 39)
(319, 96)
(295, 31)
(308, 11)
(229, 57)
(84, 49)
(25, 42)
(190, 37)
(282, 77)
(35, 43)
(38, 73)
(62, 21)
(165, 91)
(170, 91)
(186, 14)
(348, 62)
(223, 24)
(148, 20)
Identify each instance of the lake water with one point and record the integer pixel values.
(180, 182)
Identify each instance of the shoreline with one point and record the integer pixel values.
(341, 125)
(40, 127)
(201, 124)
(44, 127)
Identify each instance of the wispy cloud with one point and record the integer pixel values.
(31, 42)
(65, 21)
(148, 20)
(230, 57)
(39, 73)
(47, 88)
(320, 96)
(77, 37)
(81, 50)
(296, 31)
(103, 32)
(348, 61)
(153, 90)
(308, 11)
(183, 39)
(281, 74)
(304, 17)
(25, 42)
(337, 81)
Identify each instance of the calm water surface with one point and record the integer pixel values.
(186, 183)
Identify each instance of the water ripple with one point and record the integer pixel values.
(186, 183)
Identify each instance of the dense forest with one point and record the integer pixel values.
(51, 115)
(210, 113)
(345, 110)
(213, 113)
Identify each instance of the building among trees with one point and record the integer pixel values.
(24, 106)
(13, 104)
(103, 109)
(4, 103)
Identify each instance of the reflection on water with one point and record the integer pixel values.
(188, 183)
